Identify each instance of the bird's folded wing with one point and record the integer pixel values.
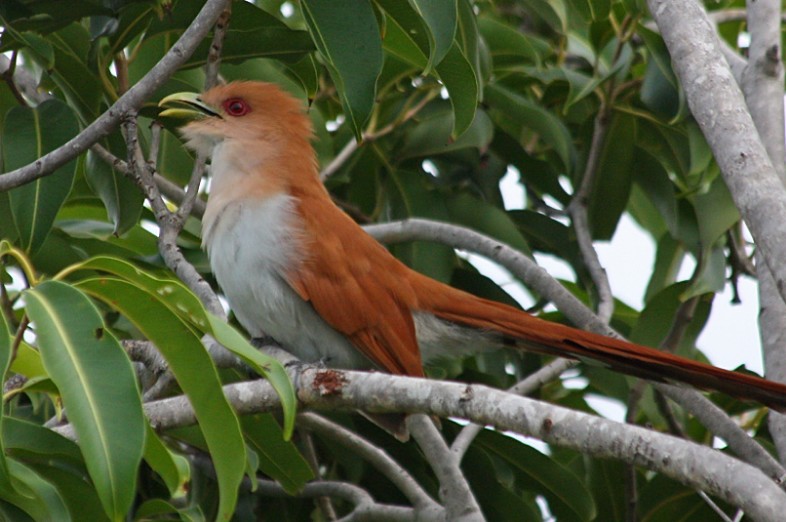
(354, 284)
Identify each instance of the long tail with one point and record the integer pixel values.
(632, 359)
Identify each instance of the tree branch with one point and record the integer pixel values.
(719, 108)
(372, 454)
(460, 503)
(694, 465)
(537, 278)
(129, 102)
(762, 83)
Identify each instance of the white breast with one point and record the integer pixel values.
(250, 244)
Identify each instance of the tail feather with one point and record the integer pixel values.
(632, 359)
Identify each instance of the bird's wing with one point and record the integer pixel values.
(357, 287)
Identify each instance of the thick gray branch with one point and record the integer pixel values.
(694, 465)
(719, 108)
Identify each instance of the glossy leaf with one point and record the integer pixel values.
(533, 116)
(440, 22)
(459, 77)
(79, 84)
(566, 493)
(346, 35)
(614, 177)
(509, 46)
(278, 459)
(96, 380)
(195, 373)
(174, 469)
(121, 197)
(432, 135)
(185, 305)
(409, 197)
(27, 135)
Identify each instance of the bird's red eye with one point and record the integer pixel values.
(236, 107)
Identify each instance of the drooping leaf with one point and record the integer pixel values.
(97, 381)
(121, 197)
(278, 459)
(346, 35)
(535, 117)
(459, 77)
(614, 177)
(174, 469)
(409, 197)
(440, 21)
(567, 495)
(195, 373)
(186, 306)
(28, 134)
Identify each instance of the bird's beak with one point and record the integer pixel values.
(188, 105)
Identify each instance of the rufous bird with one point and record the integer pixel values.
(294, 267)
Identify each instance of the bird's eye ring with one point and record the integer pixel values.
(236, 107)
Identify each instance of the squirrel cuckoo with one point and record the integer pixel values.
(295, 267)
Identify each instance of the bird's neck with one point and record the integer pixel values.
(243, 171)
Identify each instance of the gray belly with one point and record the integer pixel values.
(249, 245)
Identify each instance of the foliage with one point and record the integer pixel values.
(449, 96)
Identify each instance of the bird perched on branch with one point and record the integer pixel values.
(293, 266)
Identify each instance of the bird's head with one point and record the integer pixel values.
(247, 111)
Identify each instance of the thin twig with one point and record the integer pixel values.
(373, 455)
(371, 136)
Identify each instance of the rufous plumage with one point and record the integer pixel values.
(295, 267)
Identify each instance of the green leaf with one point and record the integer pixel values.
(457, 74)
(566, 493)
(488, 219)
(533, 116)
(5, 362)
(181, 302)
(668, 260)
(174, 469)
(121, 197)
(195, 373)
(278, 459)
(431, 136)
(42, 50)
(37, 496)
(406, 34)
(409, 196)
(715, 211)
(509, 46)
(82, 88)
(28, 134)
(614, 177)
(439, 18)
(97, 381)
(657, 318)
(346, 35)
(553, 12)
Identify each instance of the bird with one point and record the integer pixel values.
(295, 267)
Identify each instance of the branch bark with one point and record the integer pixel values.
(762, 83)
(719, 108)
(694, 465)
